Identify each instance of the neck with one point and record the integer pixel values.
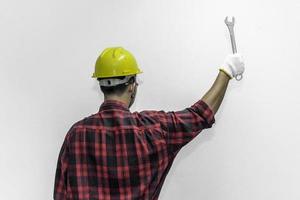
(117, 98)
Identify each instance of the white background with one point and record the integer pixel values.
(47, 55)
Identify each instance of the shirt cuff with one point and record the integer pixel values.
(204, 111)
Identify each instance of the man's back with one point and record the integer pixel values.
(115, 154)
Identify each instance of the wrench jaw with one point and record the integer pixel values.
(226, 20)
(229, 23)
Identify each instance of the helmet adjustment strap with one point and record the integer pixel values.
(110, 82)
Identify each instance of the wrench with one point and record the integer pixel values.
(230, 25)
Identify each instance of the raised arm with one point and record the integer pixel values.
(232, 67)
(214, 96)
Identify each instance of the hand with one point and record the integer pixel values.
(233, 65)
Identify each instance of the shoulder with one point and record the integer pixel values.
(148, 113)
(85, 122)
(147, 117)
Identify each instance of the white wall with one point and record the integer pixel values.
(47, 53)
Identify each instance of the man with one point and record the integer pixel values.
(115, 154)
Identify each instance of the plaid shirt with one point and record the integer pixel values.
(118, 155)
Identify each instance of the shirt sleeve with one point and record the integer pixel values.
(60, 185)
(182, 126)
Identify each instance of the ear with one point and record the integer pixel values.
(131, 87)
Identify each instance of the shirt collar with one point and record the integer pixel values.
(113, 104)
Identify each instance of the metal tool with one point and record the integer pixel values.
(230, 25)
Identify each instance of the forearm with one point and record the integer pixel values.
(214, 96)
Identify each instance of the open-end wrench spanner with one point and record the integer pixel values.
(230, 25)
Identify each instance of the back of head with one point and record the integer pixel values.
(118, 89)
(115, 69)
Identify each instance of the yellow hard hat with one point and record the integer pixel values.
(114, 62)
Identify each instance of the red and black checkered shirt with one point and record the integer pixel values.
(118, 155)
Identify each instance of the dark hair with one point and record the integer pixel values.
(118, 89)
